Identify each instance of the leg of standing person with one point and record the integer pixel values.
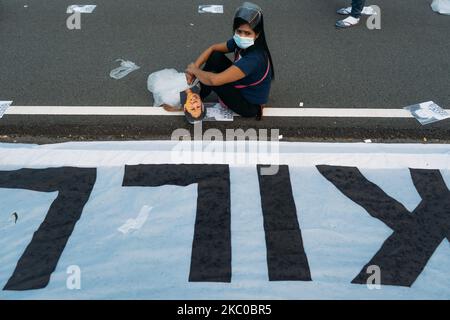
(357, 8)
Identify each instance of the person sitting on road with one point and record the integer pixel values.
(243, 85)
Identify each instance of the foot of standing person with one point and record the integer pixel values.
(367, 11)
(347, 22)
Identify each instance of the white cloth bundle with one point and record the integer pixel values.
(166, 86)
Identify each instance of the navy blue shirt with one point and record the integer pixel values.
(254, 62)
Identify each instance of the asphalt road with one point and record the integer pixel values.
(44, 63)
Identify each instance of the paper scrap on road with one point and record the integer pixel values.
(125, 68)
(136, 224)
(4, 105)
(81, 8)
(210, 9)
(427, 112)
(216, 112)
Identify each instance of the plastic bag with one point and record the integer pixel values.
(441, 6)
(166, 86)
(125, 68)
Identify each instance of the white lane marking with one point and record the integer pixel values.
(102, 111)
(158, 111)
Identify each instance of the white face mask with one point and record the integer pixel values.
(243, 42)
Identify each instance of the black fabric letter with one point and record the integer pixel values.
(211, 248)
(416, 235)
(286, 257)
(74, 186)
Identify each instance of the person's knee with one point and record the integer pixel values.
(216, 59)
(216, 56)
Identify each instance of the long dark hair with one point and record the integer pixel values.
(260, 42)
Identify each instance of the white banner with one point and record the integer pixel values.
(127, 220)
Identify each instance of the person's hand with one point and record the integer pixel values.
(192, 69)
(189, 78)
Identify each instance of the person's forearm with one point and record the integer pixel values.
(204, 57)
(205, 77)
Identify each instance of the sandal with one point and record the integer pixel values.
(367, 11)
(345, 11)
(342, 24)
